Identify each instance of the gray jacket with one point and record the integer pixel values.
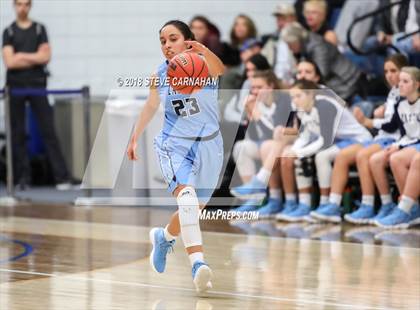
(338, 72)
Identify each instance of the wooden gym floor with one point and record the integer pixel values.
(66, 257)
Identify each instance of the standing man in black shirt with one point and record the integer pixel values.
(26, 52)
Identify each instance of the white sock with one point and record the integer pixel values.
(264, 175)
(406, 203)
(167, 234)
(368, 200)
(305, 198)
(275, 193)
(324, 199)
(291, 197)
(385, 199)
(336, 198)
(196, 256)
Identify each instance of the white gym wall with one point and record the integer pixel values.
(95, 42)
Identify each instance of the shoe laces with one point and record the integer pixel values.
(167, 246)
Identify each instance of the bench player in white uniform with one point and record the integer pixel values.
(189, 148)
(406, 118)
(268, 109)
(348, 132)
(359, 153)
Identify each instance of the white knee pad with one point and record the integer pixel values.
(245, 152)
(189, 211)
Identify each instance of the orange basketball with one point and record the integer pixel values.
(186, 72)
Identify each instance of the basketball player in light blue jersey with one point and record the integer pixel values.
(189, 148)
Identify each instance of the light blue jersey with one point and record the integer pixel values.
(190, 146)
(193, 115)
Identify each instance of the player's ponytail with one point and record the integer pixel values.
(182, 27)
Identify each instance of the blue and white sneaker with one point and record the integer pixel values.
(289, 206)
(254, 189)
(384, 210)
(399, 219)
(362, 215)
(201, 274)
(270, 209)
(161, 247)
(249, 205)
(329, 213)
(299, 214)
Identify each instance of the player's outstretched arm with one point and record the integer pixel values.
(216, 66)
(149, 110)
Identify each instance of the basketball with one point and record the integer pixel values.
(186, 72)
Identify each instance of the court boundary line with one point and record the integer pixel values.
(65, 276)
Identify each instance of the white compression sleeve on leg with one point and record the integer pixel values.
(188, 211)
(324, 165)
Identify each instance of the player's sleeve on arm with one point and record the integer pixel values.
(394, 123)
(378, 122)
(311, 148)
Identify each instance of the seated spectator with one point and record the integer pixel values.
(308, 70)
(332, 4)
(233, 78)
(268, 114)
(207, 33)
(394, 24)
(243, 29)
(339, 73)
(315, 12)
(276, 50)
(234, 108)
(250, 48)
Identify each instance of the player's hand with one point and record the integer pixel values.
(255, 113)
(131, 150)
(379, 112)
(250, 104)
(390, 150)
(279, 132)
(197, 47)
(359, 115)
(393, 148)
